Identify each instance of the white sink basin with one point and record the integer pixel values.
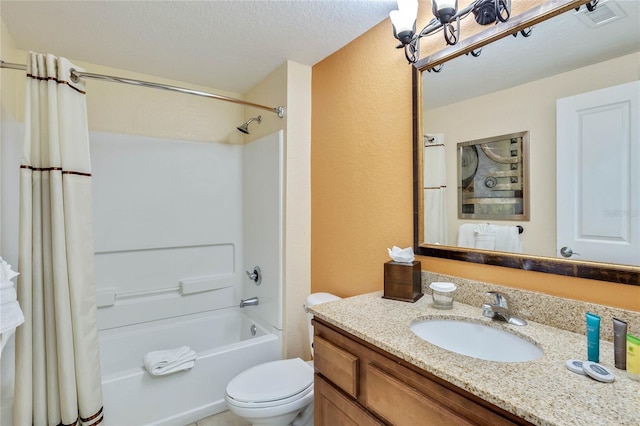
(476, 340)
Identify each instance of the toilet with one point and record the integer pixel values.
(277, 393)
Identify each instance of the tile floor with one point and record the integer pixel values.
(226, 418)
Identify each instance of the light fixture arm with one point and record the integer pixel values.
(446, 19)
(451, 33)
(591, 5)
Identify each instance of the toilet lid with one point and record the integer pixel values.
(271, 381)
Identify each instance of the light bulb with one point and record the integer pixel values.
(404, 19)
(444, 10)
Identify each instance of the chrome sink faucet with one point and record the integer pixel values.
(499, 309)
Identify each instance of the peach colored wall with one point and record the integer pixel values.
(602, 292)
(361, 180)
(361, 163)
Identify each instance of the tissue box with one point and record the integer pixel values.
(402, 281)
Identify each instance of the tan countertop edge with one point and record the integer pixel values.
(542, 392)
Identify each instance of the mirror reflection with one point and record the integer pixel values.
(492, 179)
(520, 83)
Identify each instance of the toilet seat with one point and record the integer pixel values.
(270, 404)
(271, 384)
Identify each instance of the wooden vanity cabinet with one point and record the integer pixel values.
(357, 383)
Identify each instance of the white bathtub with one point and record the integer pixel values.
(224, 344)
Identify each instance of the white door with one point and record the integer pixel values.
(598, 188)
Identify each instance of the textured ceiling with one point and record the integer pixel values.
(230, 45)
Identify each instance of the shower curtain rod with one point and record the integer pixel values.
(76, 75)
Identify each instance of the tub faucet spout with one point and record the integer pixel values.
(253, 301)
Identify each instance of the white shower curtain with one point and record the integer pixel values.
(57, 362)
(435, 190)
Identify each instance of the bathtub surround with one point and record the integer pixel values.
(166, 213)
(177, 223)
(263, 228)
(57, 363)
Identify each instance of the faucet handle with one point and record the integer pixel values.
(487, 311)
(500, 299)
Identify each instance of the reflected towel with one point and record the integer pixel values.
(4, 338)
(169, 361)
(508, 239)
(11, 316)
(8, 295)
(485, 236)
(490, 237)
(467, 235)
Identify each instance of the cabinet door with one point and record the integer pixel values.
(336, 364)
(332, 408)
(402, 405)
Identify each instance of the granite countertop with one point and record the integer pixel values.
(543, 391)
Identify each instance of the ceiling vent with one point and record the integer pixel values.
(606, 12)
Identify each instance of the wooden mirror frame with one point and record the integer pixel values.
(622, 274)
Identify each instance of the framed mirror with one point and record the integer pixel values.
(567, 54)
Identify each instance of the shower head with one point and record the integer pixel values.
(244, 128)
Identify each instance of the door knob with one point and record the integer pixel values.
(567, 252)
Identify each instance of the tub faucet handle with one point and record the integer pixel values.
(255, 275)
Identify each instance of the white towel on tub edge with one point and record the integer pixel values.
(169, 361)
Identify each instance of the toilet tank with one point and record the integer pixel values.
(315, 299)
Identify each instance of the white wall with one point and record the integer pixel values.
(531, 107)
(290, 85)
(298, 209)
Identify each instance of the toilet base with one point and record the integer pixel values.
(304, 417)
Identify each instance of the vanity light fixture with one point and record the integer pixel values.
(591, 6)
(446, 19)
